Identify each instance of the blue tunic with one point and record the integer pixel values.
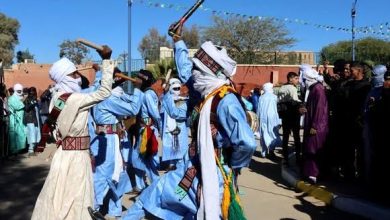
(149, 112)
(103, 147)
(161, 198)
(179, 114)
(269, 123)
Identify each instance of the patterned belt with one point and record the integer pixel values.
(107, 129)
(75, 143)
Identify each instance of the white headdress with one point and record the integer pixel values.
(174, 83)
(59, 73)
(268, 87)
(378, 74)
(308, 76)
(213, 60)
(18, 90)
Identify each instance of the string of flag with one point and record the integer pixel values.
(382, 29)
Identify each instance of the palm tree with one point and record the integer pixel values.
(160, 69)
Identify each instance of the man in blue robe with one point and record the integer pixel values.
(110, 176)
(222, 145)
(267, 113)
(174, 131)
(148, 117)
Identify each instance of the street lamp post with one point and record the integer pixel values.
(353, 15)
(130, 85)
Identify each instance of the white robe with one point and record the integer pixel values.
(68, 189)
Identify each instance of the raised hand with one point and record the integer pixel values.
(105, 54)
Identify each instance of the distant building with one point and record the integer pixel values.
(167, 53)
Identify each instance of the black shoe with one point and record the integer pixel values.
(95, 214)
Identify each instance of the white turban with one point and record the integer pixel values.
(308, 76)
(220, 56)
(18, 87)
(174, 83)
(59, 73)
(60, 69)
(378, 74)
(267, 87)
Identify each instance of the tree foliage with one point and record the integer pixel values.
(9, 29)
(160, 69)
(23, 55)
(150, 44)
(74, 51)
(366, 49)
(191, 36)
(249, 40)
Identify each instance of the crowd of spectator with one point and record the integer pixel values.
(21, 118)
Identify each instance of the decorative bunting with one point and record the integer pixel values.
(383, 29)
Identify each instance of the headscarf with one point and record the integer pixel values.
(378, 74)
(268, 87)
(220, 56)
(174, 83)
(18, 90)
(308, 76)
(59, 73)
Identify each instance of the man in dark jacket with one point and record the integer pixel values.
(32, 120)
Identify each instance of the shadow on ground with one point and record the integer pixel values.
(267, 168)
(322, 212)
(20, 184)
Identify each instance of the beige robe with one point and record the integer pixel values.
(68, 189)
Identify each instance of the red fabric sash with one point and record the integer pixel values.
(149, 143)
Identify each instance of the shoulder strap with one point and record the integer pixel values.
(48, 126)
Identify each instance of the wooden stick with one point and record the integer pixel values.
(84, 68)
(167, 77)
(89, 44)
(123, 76)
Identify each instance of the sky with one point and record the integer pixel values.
(45, 24)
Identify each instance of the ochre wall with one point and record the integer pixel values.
(37, 75)
(246, 78)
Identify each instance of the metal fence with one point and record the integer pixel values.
(135, 65)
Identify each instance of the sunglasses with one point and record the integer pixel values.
(176, 88)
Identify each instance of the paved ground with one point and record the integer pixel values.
(265, 194)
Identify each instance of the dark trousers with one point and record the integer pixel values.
(291, 124)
